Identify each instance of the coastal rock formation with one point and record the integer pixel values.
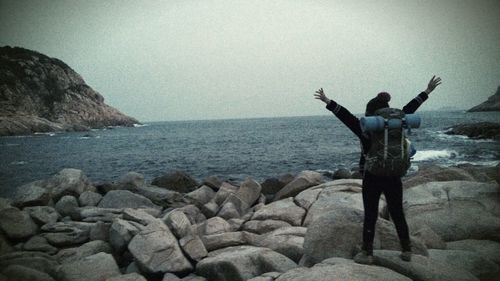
(481, 130)
(64, 228)
(492, 104)
(43, 94)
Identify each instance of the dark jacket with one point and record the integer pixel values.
(352, 122)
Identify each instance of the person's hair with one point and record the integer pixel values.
(380, 101)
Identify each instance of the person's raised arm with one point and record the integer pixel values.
(351, 121)
(415, 103)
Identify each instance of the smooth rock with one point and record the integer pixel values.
(68, 182)
(120, 234)
(156, 250)
(67, 206)
(193, 213)
(193, 247)
(249, 191)
(213, 182)
(138, 215)
(31, 194)
(342, 271)
(19, 272)
(70, 255)
(95, 214)
(421, 268)
(66, 233)
(227, 239)
(178, 223)
(430, 238)
(284, 210)
(200, 196)
(288, 241)
(215, 225)
(120, 199)
(89, 198)
(480, 266)
(39, 244)
(486, 248)
(96, 267)
(5, 246)
(224, 191)
(242, 263)
(272, 185)
(177, 181)
(128, 277)
(131, 181)
(260, 227)
(17, 224)
(43, 214)
(160, 196)
(35, 260)
(303, 181)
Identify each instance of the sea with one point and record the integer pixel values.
(231, 149)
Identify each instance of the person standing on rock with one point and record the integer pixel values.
(373, 185)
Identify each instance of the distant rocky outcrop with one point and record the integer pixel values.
(492, 104)
(43, 94)
(481, 130)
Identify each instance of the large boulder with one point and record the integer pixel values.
(455, 210)
(31, 194)
(35, 260)
(480, 266)
(89, 198)
(177, 181)
(215, 225)
(39, 244)
(283, 210)
(125, 199)
(486, 248)
(156, 250)
(422, 268)
(303, 181)
(242, 263)
(260, 227)
(128, 277)
(43, 214)
(288, 241)
(17, 224)
(70, 255)
(338, 233)
(96, 267)
(464, 172)
(19, 272)
(66, 233)
(68, 182)
(68, 206)
(341, 271)
(121, 232)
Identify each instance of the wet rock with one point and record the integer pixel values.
(481, 130)
(177, 181)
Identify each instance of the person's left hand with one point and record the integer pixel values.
(433, 84)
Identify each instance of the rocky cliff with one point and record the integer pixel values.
(42, 94)
(492, 104)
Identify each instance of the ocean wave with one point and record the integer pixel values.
(18, 163)
(442, 135)
(429, 155)
(140, 125)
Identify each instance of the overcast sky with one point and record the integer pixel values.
(207, 59)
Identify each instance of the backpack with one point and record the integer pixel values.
(389, 152)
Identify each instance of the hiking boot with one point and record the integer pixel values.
(364, 258)
(406, 255)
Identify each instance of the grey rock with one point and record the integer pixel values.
(19, 272)
(306, 198)
(236, 224)
(68, 206)
(131, 181)
(193, 213)
(215, 225)
(303, 181)
(89, 198)
(210, 209)
(66, 233)
(242, 263)
(430, 238)
(100, 231)
(138, 215)
(193, 247)
(342, 271)
(68, 182)
(31, 194)
(338, 234)
(486, 248)
(5, 246)
(421, 268)
(480, 266)
(480, 130)
(160, 196)
(125, 199)
(178, 223)
(434, 173)
(43, 214)
(40, 244)
(96, 267)
(95, 214)
(193, 277)
(249, 191)
(212, 182)
(227, 239)
(177, 181)
(17, 224)
(120, 234)
(260, 227)
(70, 255)
(284, 210)
(156, 250)
(231, 209)
(272, 185)
(128, 277)
(34, 260)
(200, 196)
(224, 191)
(342, 173)
(287, 241)
(170, 277)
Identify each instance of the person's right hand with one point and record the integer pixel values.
(320, 95)
(433, 84)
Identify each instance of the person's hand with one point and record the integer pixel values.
(320, 95)
(433, 84)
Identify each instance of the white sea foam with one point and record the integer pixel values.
(18, 163)
(428, 155)
(140, 125)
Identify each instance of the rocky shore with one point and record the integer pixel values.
(481, 130)
(300, 227)
(43, 94)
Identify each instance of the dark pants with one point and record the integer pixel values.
(392, 187)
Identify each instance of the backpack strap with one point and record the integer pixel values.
(386, 138)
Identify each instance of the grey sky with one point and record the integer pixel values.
(205, 59)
